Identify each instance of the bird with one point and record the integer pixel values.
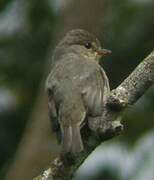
(77, 86)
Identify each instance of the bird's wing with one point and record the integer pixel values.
(53, 115)
(106, 83)
(93, 93)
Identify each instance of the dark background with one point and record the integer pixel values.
(29, 30)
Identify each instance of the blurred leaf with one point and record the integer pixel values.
(118, 161)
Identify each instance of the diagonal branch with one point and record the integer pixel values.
(127, 93)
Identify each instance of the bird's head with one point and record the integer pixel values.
(85, 43)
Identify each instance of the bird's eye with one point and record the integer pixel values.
(88, 45)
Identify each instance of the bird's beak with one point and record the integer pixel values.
(103, 52)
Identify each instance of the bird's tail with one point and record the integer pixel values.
(71, 139)
(66, 138)
(71, 118)
(77, 145)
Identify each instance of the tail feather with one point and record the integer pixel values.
(70, 120)
(77, 145)
(66, 139)
(71, 139)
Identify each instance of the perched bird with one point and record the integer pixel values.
(77, 86)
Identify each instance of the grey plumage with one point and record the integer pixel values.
(77, 86)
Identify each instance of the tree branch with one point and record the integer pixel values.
(127, 93)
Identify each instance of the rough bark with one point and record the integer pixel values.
(127, 93)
